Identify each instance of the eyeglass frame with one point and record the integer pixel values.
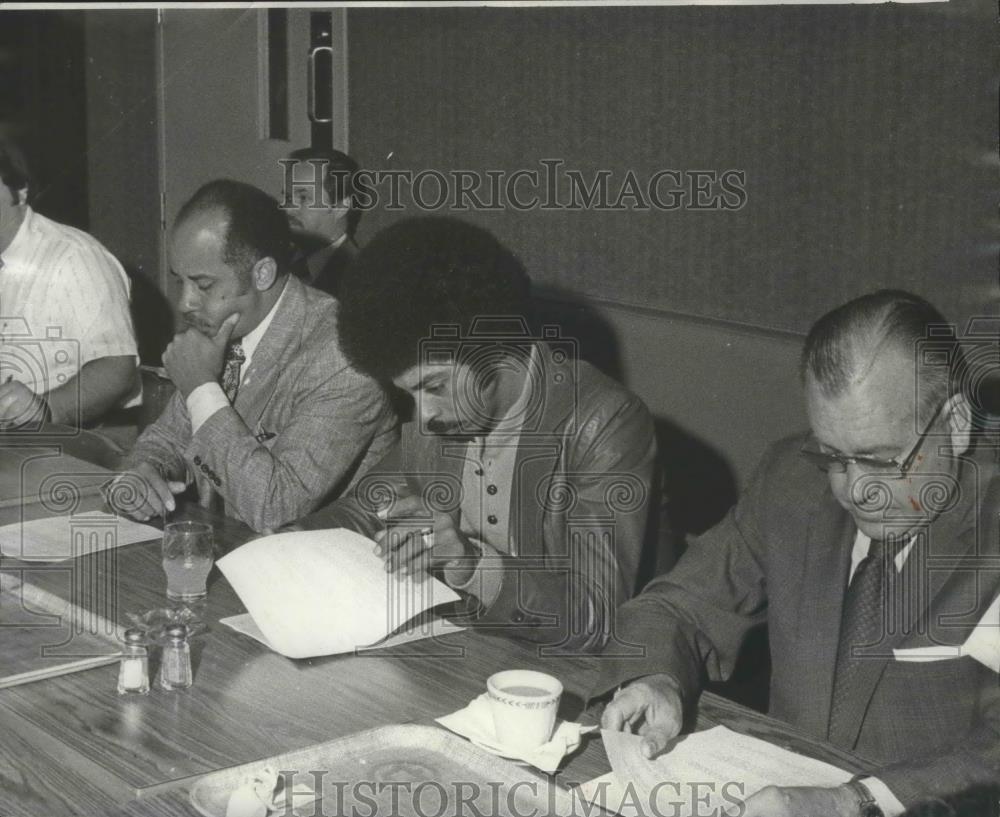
(838, 463)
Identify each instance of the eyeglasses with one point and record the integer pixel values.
(837, 463)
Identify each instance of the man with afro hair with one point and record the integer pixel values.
(523, 475)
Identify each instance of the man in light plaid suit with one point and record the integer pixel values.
(268, 417)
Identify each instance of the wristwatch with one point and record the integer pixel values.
(867, 807)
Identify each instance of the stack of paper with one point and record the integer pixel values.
(324, 592)
(706, 772)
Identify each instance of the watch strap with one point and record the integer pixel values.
(867, 804)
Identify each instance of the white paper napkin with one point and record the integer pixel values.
(262, 793)
(475, 722)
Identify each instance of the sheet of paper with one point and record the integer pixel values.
(57, 538)
(425, 629)
(702, 773)
(324, 592)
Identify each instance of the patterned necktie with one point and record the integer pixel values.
(231, 370)
(869, 611)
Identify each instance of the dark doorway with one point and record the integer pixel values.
(43, 102)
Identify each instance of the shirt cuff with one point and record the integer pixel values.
(884, 798)
(203, 402)
(487, 577)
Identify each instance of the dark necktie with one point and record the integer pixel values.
(231, 370)
(868, 619)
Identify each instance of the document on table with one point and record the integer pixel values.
(702, 773)
(415, 631)
(57, 538)
(324, 592)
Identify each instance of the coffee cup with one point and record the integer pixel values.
(524, 704)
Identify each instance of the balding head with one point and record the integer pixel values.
(251, 224)
(846, 344)
(226, 249)
(888, 422)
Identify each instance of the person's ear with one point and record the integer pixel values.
(959, 415)
(264, 274)
(342, 207)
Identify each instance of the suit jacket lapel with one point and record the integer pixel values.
(951, 535)
(829, 543)
(276, 348)
(539, 450)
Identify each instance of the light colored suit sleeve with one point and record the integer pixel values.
(162, 444)
(356, 509)
(334, 416)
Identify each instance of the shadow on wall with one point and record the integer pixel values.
(698, 482)
(596, 339)
(697, 485)
(697, 479)
(152, 317)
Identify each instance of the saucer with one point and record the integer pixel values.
(499, 751)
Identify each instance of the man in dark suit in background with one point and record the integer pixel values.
(888, 547)
(268, 415)
(323, 217)
(523, 479)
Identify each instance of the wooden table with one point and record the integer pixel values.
(72, 746)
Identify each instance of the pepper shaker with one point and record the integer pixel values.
(175, 668)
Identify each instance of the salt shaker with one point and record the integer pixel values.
(175, 667)
(133, 673)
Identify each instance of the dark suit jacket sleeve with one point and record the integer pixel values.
(694, 619)
(974, 757)
(974, 761)
(162, 444)
(336, 414)
(568, 600)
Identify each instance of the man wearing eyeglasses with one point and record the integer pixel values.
(883, 557)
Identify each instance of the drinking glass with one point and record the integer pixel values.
(187, 560)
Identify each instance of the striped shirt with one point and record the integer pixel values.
(64, 301)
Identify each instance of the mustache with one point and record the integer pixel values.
(442, 427)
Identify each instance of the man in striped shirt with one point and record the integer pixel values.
(67, 346)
